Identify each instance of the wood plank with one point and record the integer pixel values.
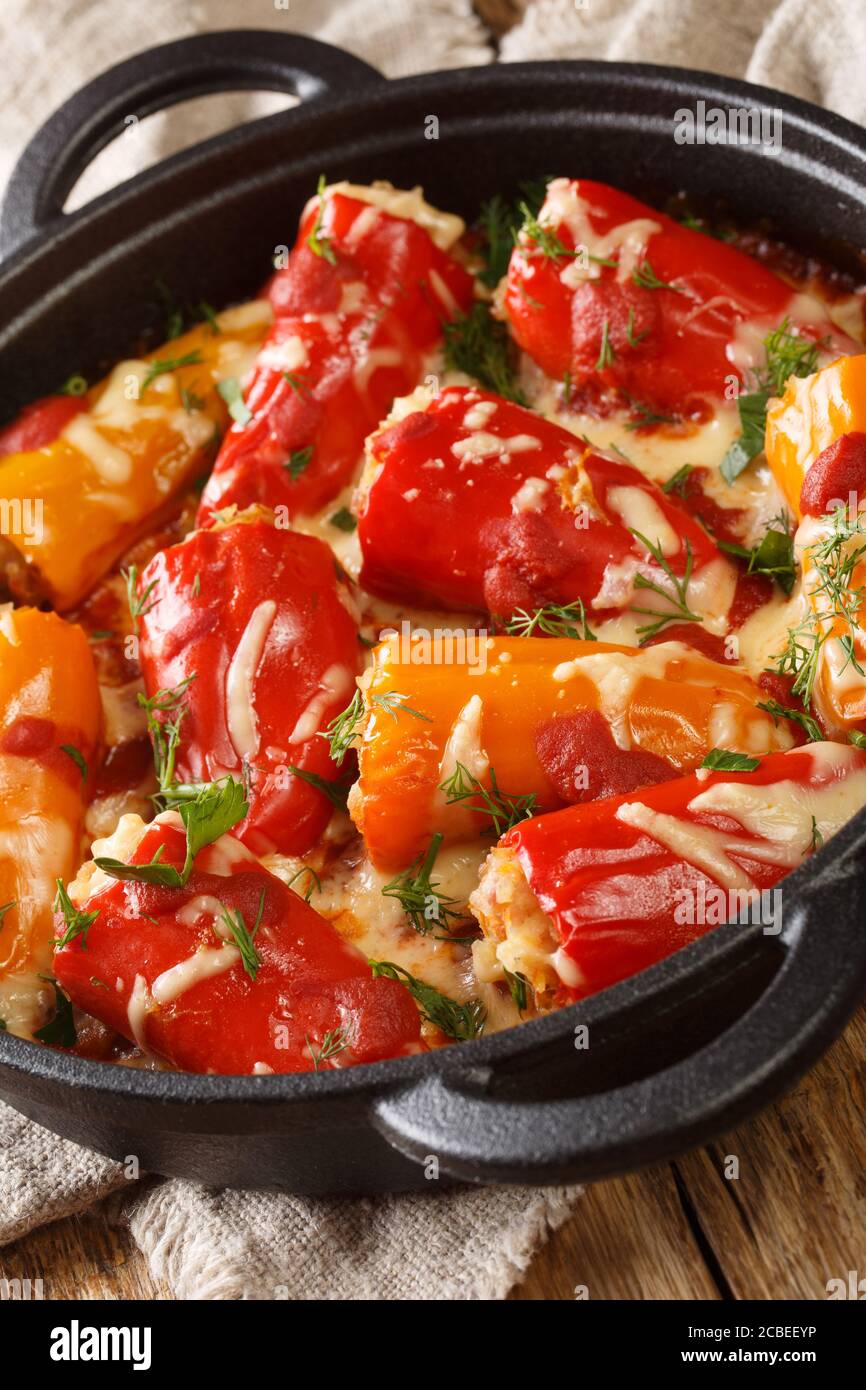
(628, 1238)
(82, 1257)
(796, 1216)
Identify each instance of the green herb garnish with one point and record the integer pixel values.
(212, 811)
(230, 390)
(418, 894)
(162, 365)
(335, 1041)
(77, 757)
(773, 556)
(245, 939)
(459, 1021)
(723, 760)
(479, 345)
(504, 810)
(554, 620)
(344, 520)
(318, 244)
(796, 716)
(61, 1029)
(680, 611)
(786, 354)
(77, 923)
(298, 461)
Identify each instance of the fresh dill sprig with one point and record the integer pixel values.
(645, 277)
(245, 939)
(456, 1020)
(554, 620)
(138, 603)
(680, 611)
(419, 896)
(796, 716)
(479, 345)
(503, 809)
(335, 1041)
(165, 712)
(321, 245)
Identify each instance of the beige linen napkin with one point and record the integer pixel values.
(455, 1244)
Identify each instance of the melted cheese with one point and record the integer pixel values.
(137, 1010)
(351, 898)
(287, 356)
(639, 511)
(240, 710)
(443, 228)
(615, 676)
(785, 814)
(113, 464)
(700, 845)
(203, 965)
(564, 205)
(336, 683)
(530, 496)
(480, 445)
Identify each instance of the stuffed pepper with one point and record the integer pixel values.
(637, 311)
(358, 310)
(816, 438)
(75, 500)
(50, 718)
(215, 965)
(458, 740)
(577, 900)
(249, 647)
(472, 502)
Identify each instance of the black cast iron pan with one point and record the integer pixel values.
(676, 1054)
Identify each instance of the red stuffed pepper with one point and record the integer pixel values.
(248, 642)
(357, 309)
(582, 898)
(230, 973)
(473, 502)
(648, 312)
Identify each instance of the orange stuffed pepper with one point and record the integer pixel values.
(76, 502)
(50, 720)
(524, 725)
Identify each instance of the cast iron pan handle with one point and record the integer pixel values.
(456, 1117)
(248, 59)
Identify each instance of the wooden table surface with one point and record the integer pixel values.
(793, 1218)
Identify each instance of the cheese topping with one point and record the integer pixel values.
(482, 445)
(700, 845)
(564, 205)
(443, 228)
(530, 495)
(140, 1002)
(638, 511)
(206, 963)
(336, 683)
(240, 711)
